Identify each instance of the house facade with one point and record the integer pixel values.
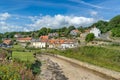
(38, 44)
(69, 44)
(74, 32)
(17, 35)
(62, 43)
(96, 32)
(7, 41)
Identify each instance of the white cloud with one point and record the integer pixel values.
(29, 23)
(61, 21)
(93, 13)
(4, 16)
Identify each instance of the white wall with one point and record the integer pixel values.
(67, 46)
(96, 32)
(39, 44)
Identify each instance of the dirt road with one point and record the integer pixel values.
(74, 72)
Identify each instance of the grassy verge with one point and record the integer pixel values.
(104, 57)
(23, 56)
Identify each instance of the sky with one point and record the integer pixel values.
(29, 15)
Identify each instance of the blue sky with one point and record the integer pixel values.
(27, 15)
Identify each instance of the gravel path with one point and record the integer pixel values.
(72, 71)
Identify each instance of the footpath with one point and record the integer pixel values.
(103, 71)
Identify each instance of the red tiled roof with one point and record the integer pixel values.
(7, 41)
(27, 38)
(60, 41)
(44, 37)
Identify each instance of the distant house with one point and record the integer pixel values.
(38, 44)
(44, 37)
(53, 35)
(24, 41)
(17, 35)
(74, 32)
(83, 35)
(62, 43)
(96, 32)
(27, 39)
(69, 44)
(41, 43)
(7, 41)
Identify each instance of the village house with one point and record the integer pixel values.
(51, 35)
(69, 44)
(7, 41)
(17, 35)
(22, 40)
(38, 44)
(41, 43)
(62, 43)
(74, 32)
(46, 37)
(96, 32)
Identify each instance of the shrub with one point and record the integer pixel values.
(89, 37)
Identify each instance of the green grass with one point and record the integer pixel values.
(23, 56)
(104, 57)
(18, 48)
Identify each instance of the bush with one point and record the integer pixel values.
(14, 71)
(89, 37)
(35, 67)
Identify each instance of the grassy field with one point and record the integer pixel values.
(101, 56)
(18, 48)
(23, 56)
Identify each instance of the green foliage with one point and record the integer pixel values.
(114, 22)
(35, 67)
(9, 34)
(116, 32)
(89, 37)
(43, 31)
(81, 29)
(1, 36)
(14, 71)
(107, 26)
(102, 25)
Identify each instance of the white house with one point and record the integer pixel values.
(67, 45)
(96, 32)
(39, 44)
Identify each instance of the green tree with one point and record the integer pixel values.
(43, 31)
(115, 32)
(89, 37)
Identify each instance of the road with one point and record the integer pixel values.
(74, 72)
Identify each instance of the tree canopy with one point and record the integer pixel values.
(89, 37)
